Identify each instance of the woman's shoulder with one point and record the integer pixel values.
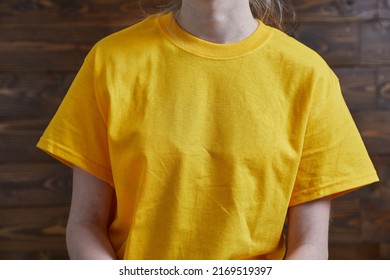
(135, 36)
(296, 54)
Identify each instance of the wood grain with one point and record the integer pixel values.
(384, 87)
(345, 225)
(376, 220)
(18, 138)
(38, 47)
(335, 11)
(65, 12)
(354, 251)
(375, 43)
(384, 9)
(59, 254)
(35, 185)
(374, 127)
(359, 87)
(30, 94)
(338, 44)
(33, 229)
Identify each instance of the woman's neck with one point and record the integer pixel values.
(217, 21)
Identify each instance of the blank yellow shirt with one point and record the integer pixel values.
(207, 145)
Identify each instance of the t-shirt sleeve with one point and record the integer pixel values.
(334, 159)
(77, 134)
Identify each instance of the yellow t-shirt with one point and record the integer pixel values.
(207, 145)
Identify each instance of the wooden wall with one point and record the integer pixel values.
(42, 45)
(354, 38)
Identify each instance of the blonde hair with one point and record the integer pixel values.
(276, 13)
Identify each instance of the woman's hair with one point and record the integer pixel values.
(276, 13)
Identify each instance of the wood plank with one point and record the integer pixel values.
(338, 44)
(86, 12)
(40, 47)
(375, 43)
(30, 94)
(376, 220)
(33, 229)
(385, 251)
(384, 9)
(35, 185)
(354, 251)
(345, 225)
(35, 255)
(18, 139)
(384, 87)
(335, 11)
(359, 87)
(374, 127)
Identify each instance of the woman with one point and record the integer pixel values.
(194, 134)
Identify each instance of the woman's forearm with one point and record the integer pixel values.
(88, 242)
(306, 252)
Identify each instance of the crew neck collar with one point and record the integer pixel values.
(200, 47)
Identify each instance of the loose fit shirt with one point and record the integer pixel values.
(207, 145)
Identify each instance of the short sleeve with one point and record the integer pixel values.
(334, 159)
(77, 134)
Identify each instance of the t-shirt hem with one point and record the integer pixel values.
(335, 190)
(71, 158)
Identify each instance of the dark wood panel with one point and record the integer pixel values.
(385, 251)
(345, 225)
(35, 184)
(18, 139)
(35, 255)
(376, 220)
(335, 11)
(338, 44)
(354, 251)
(384, 9)
(53, 47)
(359, 87)
(375, 43)
(354, 44)
(375, 129)
(384, 87)
(41, 61)
(124, 11)
(33, 229)
(89, 11)
(32, 94)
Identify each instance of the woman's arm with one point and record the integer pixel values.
(308, 228)
(86, 232)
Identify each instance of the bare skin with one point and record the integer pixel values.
(308, 227)
(217, 21)
(86, 233)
